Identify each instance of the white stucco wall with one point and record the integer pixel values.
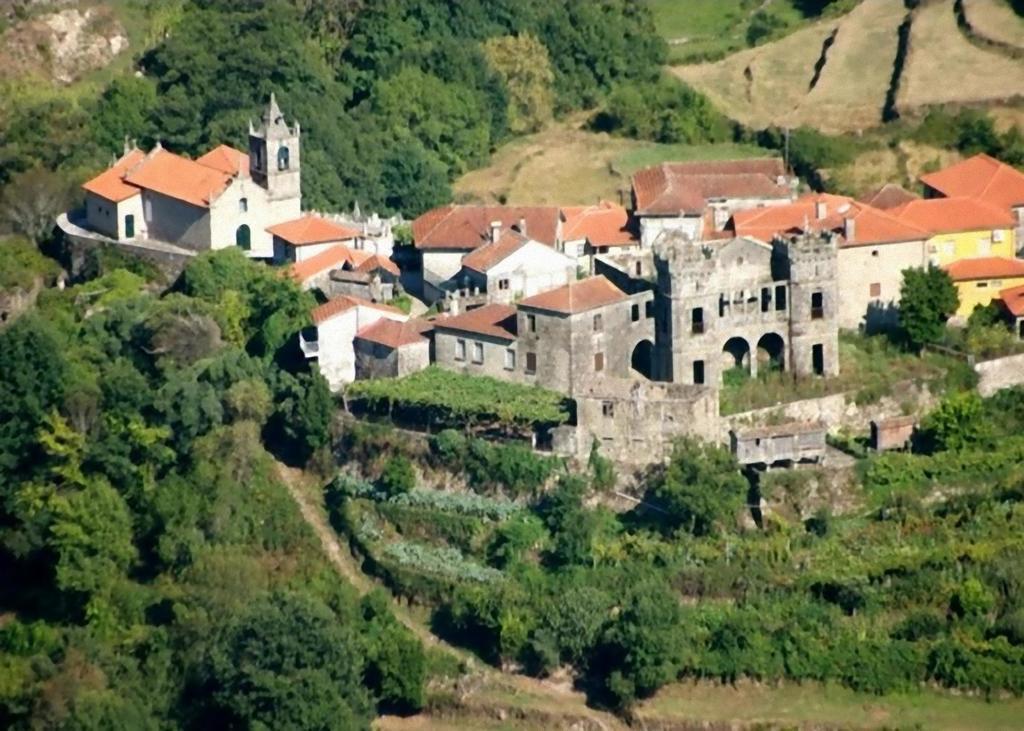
(262, 212)
(862, 266)
(101, 215)
(652, 226)
(533, 269)
(440, 265)
(336, 358)
(177, 222)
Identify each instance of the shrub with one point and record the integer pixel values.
(398, 476)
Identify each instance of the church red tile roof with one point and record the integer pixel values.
(985, 267)
(110, 183)
(226, 159)
(981, 177)
(605, 224)
(310, 229)
(394, 334)
(685, 188)
(1013, 298)
(469, 227)
(494, 320)
(346, 302)
(178, 177)
(954, 215)
(576, 297)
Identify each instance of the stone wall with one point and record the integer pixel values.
(994, 375)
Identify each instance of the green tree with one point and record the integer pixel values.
(32, 200)
(395, 662)
(959, 422)
(124, 112)
(413, 179)
(522, 63)
(398, 476)
(701, 489)
(928, 298)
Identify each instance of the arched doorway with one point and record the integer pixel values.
(771, 353)
(735, 360)
(242, 238)
(642, 360)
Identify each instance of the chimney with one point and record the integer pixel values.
(495, 231)
(820, 210)
(522, 226)
(849, 229)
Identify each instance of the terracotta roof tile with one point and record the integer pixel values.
(953, 215)
(310, 229)
(346, 302)
(494, 320)
(333, 258)
(469, 227)
(605, 224)
(981, 177)
(889, 196)
(110, 184)
(576, 297)
(178, 177)
(482, 259)
(985, 267)
(1013, 298)
(226, 159)
(375, 261)
(394, 334)
(674, 188)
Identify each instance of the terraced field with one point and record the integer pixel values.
(995, 21)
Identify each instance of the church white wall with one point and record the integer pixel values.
(101, 215)
(131, 207)
(176, 222)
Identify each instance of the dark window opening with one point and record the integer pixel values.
(697, 320)
(639, 269)
(283, 158)
(766, 299)
(598, 323)
(780, 298)
(698, 372)
(531, 323)
(531, 363)
(818, 359)
(242, 238)
(129, 226)
(723, 304)
(635, 313)
(649, 309)
(598, 362)
(608, 409)
(817, 305)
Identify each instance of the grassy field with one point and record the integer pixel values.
(995, 20)
(944, 67)
(565, 164)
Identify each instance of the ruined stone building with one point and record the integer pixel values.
(741, 303)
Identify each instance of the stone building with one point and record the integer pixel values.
(391, 349)
(745, 304)
(779, 443)
(224, 198)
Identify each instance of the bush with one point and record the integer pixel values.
(398, 476)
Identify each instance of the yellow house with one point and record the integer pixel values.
(961, 228)
(980, 281)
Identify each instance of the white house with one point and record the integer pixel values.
(336, 324)
(514, 266)
(305, 237)
(224, 198)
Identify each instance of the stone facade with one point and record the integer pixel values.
(872, 276)
(742, 303)
(477, 354)
(375, 360)
(995, 375)
(781, 443)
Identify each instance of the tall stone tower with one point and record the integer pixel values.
(814, 294)
(274, 156)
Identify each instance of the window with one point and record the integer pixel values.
(243, 205)
(817, 305)
(780, 298)
(649, 309)
(242, 238)
(982, 285)
(766, 299)
(283, 158)
(875, 289)
(460, 349)
(531, 323)
(697, 320)
(531, 363)
(598, 323)
(129, 226)
(510, 359)
(636, 313)
(698, 372)
(608, 409)
(503, 284)
(818, 359)
(874, 252)
(478, 353)
(598, 362)
(639, 268)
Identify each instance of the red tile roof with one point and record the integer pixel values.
(953, 215)
(394, 334)
(226, 159)
(494, 320)
(871, 226)
(675, 188)
(375, 261)
(310, 229)
(981, 177)
(110, 185)
(469, 227)
(482, 259)
(346, 302)
(1013, 298)
(576, 297)
(178, 177)
(986, 267)
(889, 196)
(333, 258)
(605, 224)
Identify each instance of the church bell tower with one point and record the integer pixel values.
(274, 157)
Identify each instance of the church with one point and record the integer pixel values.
(224, 198)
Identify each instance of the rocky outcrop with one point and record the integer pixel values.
(62, 45)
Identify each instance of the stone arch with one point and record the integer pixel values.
(736, 354)
(243, 237)
(283, 158)
(642, 360)
(771, 353)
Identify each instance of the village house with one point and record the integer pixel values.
(698, 198)
(960, 228)
(874, 250)
(603, 229)
(305, 237)
(390, 348)
(1012, 301)
(980, 281)
(224, 198)
(336, 323)
(779, 444)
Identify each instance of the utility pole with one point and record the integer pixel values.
(785, 153)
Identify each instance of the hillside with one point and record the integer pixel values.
(838, 74)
